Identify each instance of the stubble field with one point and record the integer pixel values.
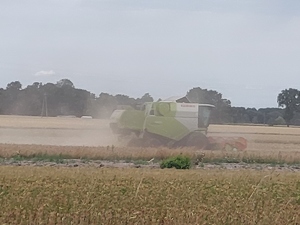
(210, 193)
(90, 138)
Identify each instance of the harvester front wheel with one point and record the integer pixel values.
(198, 140)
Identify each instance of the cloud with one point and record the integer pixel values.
(44, 73)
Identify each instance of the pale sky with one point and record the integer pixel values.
(248, 50)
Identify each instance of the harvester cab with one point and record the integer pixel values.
(172, 123)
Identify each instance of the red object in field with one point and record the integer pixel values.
(227, 143)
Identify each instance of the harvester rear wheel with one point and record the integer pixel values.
(135, 142)
(151, 140)
(198, 140)
(145, 142)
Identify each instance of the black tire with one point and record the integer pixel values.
(152, 142)
(197, 139)
(135, 142)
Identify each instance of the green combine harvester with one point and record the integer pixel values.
(172, 123)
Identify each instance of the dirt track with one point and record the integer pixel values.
(123, 164)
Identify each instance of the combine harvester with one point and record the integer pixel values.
(174, 123)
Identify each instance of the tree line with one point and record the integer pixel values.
(64, 99)
(61, 99)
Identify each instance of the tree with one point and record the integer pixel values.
(2, 100)
(16, 85)
(125, 100)
(237, 114)
(106, 105)
(145, 98)
(289, 99)
(221, 113)
(60, 98)
(65, 83)
(35, 85)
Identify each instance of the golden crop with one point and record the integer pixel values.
(136, 196)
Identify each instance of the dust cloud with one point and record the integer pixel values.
(67, 132)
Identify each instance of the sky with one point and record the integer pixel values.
(248, 50)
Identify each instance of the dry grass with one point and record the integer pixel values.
(133, 196)
(77, 152)
(43, 152)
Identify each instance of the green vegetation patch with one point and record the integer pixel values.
(178, 162)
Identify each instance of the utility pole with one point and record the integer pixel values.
(45, 106)
(46, 103)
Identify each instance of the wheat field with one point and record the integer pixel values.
(146, 196)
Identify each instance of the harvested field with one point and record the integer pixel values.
(55, 131)
(50, 122)
(264, 138)
(83, 138)
(95, 132)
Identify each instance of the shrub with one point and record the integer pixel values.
(178, 162)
